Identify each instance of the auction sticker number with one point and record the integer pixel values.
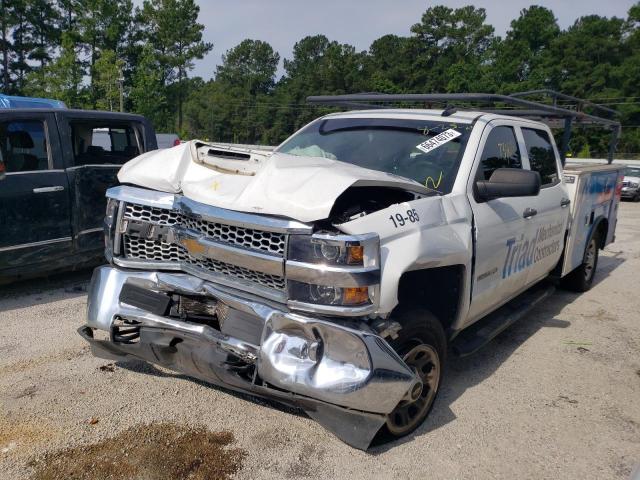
(400, 220)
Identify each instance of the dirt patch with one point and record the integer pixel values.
(162, 452)
(16, 435)
(109, 367)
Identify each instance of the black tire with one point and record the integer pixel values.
(423, 338)
(581, 279)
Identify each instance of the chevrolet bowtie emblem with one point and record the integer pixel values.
(193, 246)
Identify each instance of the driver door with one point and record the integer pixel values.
(501, 228)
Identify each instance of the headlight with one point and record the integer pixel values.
(329, 295)
(333, 249)
(634, 184)
(333, 270)
(110, 218)
(112, 209)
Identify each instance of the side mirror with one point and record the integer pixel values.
(509, 182)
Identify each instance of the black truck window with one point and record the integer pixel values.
(500, 151)
(541, 155)
(24, 146)
(100, 143)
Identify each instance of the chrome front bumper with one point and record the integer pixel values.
(341, 373)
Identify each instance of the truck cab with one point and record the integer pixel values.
(334, 273)
(56, 170)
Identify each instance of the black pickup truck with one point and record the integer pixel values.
(55, 166)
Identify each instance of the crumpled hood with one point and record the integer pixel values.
(301, 188)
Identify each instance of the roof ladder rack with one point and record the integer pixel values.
(525, 108)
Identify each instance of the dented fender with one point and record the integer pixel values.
(440, 236)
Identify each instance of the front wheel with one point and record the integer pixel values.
(581, 279)
(422, 345)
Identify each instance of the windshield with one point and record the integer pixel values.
(632, 171)
(425, 151)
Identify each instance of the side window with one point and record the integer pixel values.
(500, 151)
(541, 155)
(100, 143)
(24, 146)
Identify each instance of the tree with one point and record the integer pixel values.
(173, 30)
(44, 34)
(242, 95)
(251, 65)
(628, 75)
(452, 49)
(62, 78)
(103, 25)
(106, 82)
(7, 19)
(388, 64)
(20, 45)
(521, 57)
(148, 94)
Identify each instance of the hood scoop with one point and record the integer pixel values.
(227, 160)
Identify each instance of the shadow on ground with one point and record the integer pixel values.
(48, 289)
(464, 373)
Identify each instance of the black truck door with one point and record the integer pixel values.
(98, 147)
(35, 227)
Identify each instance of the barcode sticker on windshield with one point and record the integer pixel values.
(438, 140)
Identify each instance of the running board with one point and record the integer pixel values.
(473, 338)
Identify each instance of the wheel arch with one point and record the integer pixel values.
(600, 227)
(440, 290)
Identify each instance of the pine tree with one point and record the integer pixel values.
(173, 30)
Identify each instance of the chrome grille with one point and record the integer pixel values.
(270, 242)
(144, 249)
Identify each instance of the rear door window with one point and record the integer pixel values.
(500, 151)
(542, 157)
(102, 143)
(24, 146)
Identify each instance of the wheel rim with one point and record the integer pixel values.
(590, 260)
(424, 360)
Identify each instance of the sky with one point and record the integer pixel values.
(282, 23)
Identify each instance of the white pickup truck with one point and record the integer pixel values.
(335, 273)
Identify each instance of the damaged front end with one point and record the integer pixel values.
(254, 304)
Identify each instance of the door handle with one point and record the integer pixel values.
(565, 202)
(529, 212)
(57, 188)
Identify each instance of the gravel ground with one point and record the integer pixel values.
(555, 396)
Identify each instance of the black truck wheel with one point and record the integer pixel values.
(581, 279)
(422, 344)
